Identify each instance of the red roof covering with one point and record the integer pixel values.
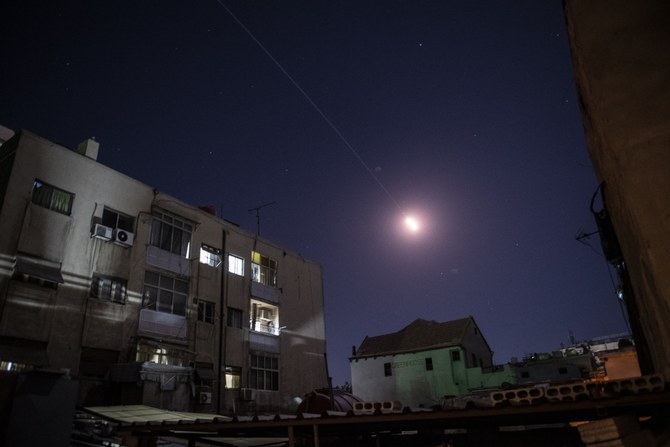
(419, 335)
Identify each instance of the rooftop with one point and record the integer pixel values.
(419, 335)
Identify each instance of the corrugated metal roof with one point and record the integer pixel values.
(143, 420)
(417, 336)
(129, 414)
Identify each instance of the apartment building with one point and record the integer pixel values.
(144, 298)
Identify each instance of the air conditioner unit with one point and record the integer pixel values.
(264, 313)
(205, 397)
(247, 394)
(102, 232)
(124, 237)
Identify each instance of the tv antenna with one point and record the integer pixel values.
(258, 216)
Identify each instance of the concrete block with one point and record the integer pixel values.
(568, 392)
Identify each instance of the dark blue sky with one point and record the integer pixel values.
(464, 111)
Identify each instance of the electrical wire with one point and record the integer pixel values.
(314, 105)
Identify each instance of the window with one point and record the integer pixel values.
(52, 198)
(235, 265)
(164, 293)
(429, 364)
(108, 288)
(14, 366)
(114, 219)
(264, 318)
(388, 371)
(474, 360)
(171, 233)
(205, 311)
(233, 374)
(264, 374)
(525, 374)
(562, 370)
(263, 269)
(162, 355)
(455, 356)
(234, 317)
(210, 256)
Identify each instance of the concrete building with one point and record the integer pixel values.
(621, 58)
(424, 362)
(554, 367)
(143, 298)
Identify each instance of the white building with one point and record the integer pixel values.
(123, 284)
(424, 362)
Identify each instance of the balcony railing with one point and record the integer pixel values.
(265, 328)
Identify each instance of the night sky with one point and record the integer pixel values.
(462, 113)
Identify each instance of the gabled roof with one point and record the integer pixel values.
(419, 335)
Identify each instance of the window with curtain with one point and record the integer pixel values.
(53, 198)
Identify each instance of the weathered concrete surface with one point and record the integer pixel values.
(621, 57)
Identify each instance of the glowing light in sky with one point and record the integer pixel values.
(412, 224)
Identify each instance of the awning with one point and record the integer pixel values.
(143, 414)
(39, 268)
(21, 350)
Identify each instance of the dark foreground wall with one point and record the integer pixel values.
(621, 57)
(37, 409)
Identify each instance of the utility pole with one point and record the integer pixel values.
(257, 210)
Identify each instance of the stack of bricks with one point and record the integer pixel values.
(383, 407)
(568, 392)
(517, 396)
(653, 383)
(619, 431)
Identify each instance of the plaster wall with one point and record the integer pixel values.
(416, 382)
(621, 57)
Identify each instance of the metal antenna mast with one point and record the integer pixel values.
(258, 216)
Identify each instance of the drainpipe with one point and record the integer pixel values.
(222, 324)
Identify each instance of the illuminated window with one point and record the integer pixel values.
(52, 198)
(108, 288)
(233, 374)
(15, 367)
(171, 233)
(263, 269)
(388, 371)
(236, 265)
(161, 355)
(264, 373)
(205, 310)
(210, 256)
(164, 293)
(264, 318)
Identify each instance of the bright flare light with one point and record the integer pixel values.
(412, 224)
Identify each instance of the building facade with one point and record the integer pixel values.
(621, 61)
(425, 361)
(145, 299)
